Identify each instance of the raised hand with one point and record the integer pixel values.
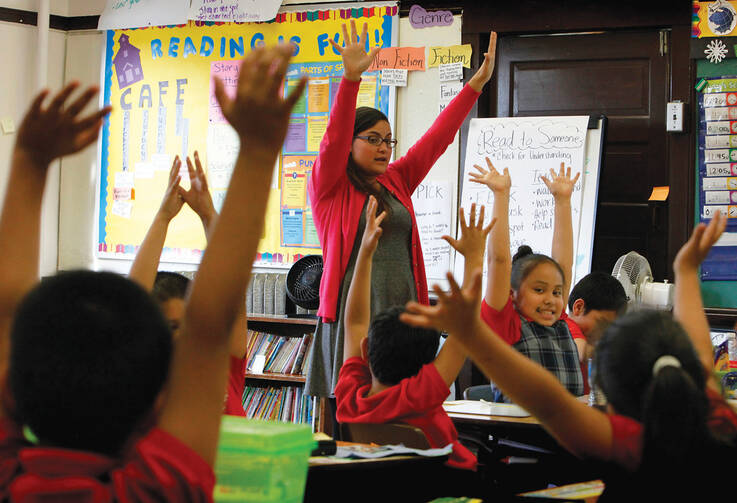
(455, 311)
(492, 178)
(561, 184)
(258, 112)
(355, 58)
(473, 235)
(372, 232)
(696, 249)
(486, 70)
(173, 201)
(198, 196)
(58, 130)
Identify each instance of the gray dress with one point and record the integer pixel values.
(392, 284)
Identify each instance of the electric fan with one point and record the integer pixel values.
(303, 281)
(633, 272)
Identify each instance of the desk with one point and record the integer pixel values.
(409, 478)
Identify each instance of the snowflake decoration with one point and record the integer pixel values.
(716, 51)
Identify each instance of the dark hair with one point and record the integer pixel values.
(600, 291)
(397, 350)
(89, 354)
(169, 285)
(524, 261)
(366, 117)
(672, 405)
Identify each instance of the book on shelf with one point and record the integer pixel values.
(278, 403)
(283, 354)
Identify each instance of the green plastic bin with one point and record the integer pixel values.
(262, 461)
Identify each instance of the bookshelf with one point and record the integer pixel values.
(281, 339)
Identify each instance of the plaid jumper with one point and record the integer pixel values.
(551, 347)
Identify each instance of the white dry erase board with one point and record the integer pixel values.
(530, 147)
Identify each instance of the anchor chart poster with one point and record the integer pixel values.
(159, 82)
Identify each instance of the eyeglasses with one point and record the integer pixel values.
(376, 140)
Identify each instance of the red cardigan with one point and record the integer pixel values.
(337, 204)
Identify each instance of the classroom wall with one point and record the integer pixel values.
(69, 216)
(17, 59)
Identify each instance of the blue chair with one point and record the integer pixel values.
(480, 392)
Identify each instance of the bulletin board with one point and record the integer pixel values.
(159, 81)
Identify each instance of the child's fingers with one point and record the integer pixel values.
(490, 226)
(35, 107)
(568, 171)
(373, 52)
(92, 119)
(296, 93)
(463, 220)
(452, 242)
(475, 286)
(472, 216)
(58, 102)
(489, 164)
(88, 136)
(279, 69)
(546, 181)
(415, 320)
(78, 105)
(443, 297)
(174, 170)
(454, 288)
(480, 221)
(381, 218)
(575, 178)
(200, 172)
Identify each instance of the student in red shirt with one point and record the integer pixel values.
(90, 352)
(665, 413)
(526, 294)
(596, 300)
(355, 161)
(390, 372)
(170, 288)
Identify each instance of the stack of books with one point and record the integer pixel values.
(283, 355)
(280, 403)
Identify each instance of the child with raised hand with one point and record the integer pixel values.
(390, 372)
(664, 412)
(105, 349)
(354, 163)
(525, 296)
(170, 289)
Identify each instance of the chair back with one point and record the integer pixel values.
(480, 392)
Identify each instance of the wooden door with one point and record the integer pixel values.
(622, 75)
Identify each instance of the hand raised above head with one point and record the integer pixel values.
(172, 202)
(198, 196)
(703, 237)
(372, 232)
(473, 235)
(491, 178)
(561, 184)
(355, 58)
(258, 112)
(486, 70)
(455, 311)
(58, 130)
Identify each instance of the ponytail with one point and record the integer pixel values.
(674, 418)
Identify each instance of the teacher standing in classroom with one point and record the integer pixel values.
(353, 163)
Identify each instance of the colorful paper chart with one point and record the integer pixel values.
(718, 170)
(160, 83)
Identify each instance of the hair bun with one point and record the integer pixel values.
(522, 251)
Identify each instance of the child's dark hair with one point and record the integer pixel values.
(397, 350)
(169, 285)
(89, 354)
(600, 291)
(366, 117)
(524, 261)
(671, 403)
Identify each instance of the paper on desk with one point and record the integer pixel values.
(383, 451)
(483, 408)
